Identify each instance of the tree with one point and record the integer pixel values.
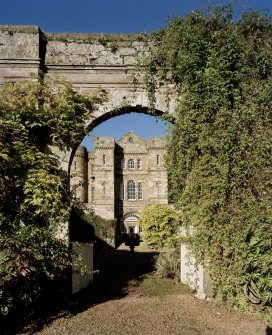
(219, 150)
(34, 194)
(160, 225)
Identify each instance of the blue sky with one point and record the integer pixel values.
(110, 16)
(105, 16)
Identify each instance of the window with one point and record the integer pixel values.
(158, 159)
(131, 190)
(104, 189)
(140, 191)
(123, 164)
(122, 191)
(92, 169)
(139, 164)
(158, 188)
(93, 194)
(131, 164)
(104, 159)
(75, 165)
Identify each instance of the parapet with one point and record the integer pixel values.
(104, 142)
(156, 143)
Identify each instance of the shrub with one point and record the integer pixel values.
(34, 192)
(160, 225)
(167, 264)
(103, 229)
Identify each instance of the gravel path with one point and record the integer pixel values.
(127, 299)
(177, 314)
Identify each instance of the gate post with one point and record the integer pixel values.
(85, 252)
(193, 274)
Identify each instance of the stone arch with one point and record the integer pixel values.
(88, 61)
(130, 219)
(101, 116)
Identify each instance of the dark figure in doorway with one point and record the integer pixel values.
(131, 239)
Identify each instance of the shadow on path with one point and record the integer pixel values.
(115, 269)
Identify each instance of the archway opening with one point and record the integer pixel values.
(119, 167)
(130, 221)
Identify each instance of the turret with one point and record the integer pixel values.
(79, 174)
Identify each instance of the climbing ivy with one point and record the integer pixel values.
(219, 149)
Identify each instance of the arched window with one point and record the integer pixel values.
(131, 190)
(121, 191)
(140, 191)
(139, 164)
(131, 164)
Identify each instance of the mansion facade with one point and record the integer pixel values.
(120, 178)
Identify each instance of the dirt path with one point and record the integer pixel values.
(128, 299)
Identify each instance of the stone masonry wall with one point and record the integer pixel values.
(19, 52)
(86, 60)
(95, 49)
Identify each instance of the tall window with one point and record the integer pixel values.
(104, 159)
(158, 188)
(122, 191)
(93, 194)
(92, 169)
(158, 159)
(139, 164)
(103, 189)
(123, 164)
(131, 190)
(131, 164)
(140, 191)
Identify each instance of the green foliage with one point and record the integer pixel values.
(104, 229)
(219, 150)
(160, 225)
(167, 264)
(34, 197)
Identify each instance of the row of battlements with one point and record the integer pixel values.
(131, 141)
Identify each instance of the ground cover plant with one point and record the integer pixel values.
(219, 70)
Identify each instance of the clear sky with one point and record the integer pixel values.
(105, 16)
(110, 16)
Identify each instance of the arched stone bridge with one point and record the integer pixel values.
(88, 61)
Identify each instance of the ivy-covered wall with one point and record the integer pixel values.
(219, 149)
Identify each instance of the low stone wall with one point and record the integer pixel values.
(79, 281)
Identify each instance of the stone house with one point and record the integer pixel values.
(119, 178)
